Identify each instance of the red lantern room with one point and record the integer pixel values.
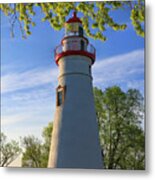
(74, 42)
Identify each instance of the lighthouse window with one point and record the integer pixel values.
(90, 70)
(80, 31)
(59, 98)
(82, 45)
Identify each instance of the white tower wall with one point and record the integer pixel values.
(75, 142)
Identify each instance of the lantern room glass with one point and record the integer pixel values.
(74, 29)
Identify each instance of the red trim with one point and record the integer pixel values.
(72, 52)
(67, 37)
(74, 19)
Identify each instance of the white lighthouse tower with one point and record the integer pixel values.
(75, 142)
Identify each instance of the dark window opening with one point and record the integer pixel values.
(60, 95)
(82, 45)
(59, 98)
(89, 69)
(80, 31)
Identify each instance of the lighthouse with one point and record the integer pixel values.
(75, 141)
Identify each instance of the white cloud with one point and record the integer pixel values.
(11, 119)
(28, 122)
(28, 111)
(28, 107)
(17, 132)
(125, 69)
(28, 79)
(136, 84)
(114, 70)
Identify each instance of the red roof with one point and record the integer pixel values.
(74, 19)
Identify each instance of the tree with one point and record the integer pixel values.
(9, 151)
(36, 152)
(121, 136)
(47, 134)
(96, 16)
(32, 155)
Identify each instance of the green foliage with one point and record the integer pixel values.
(121, 136)
(9, 151)
(47, 134)
(96, 16)
(32, 155)
(36, 153)
(137, 17)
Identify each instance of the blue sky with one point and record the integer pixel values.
(29, 73)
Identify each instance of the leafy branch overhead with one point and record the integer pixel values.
(96, 16)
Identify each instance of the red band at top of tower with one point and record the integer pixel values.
(74, 19)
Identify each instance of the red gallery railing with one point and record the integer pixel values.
(70, 48)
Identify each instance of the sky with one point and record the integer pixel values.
(29, 73)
